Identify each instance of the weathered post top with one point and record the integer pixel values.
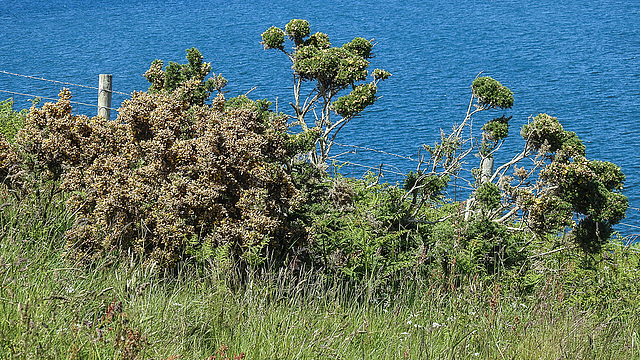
(104, 96)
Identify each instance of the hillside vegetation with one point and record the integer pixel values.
(202, 226)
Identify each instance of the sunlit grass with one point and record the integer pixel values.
(50, 309)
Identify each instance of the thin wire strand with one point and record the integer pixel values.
(48, 98)
(374, 150)
(60, 82)
(629, 225)
(368, 167)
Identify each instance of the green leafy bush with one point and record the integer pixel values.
(352, 229)
(592, 189)
(355, 102)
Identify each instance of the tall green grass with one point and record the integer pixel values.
(119, 309)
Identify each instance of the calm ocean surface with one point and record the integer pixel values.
(574, 59)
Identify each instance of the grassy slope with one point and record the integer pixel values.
(52, 310)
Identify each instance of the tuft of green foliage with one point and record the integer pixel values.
(497, 128)
(355, 102)
(318, 40)
(174, 75)
(297, 29)
(546, 213)
(491, 94)
(10, 120)
(379, 74)
(334, 68)
(360, 47)
(273, 38)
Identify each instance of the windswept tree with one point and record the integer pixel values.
(548, 188)
(331, 71)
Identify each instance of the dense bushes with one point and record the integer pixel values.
(170, 177)
(365, 230)
(356, 230)
(181, 175)
(184, 177)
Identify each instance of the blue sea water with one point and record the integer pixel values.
(574, 59)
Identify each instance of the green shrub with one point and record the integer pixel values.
(10, 120)
(174, 75)
(365, 230)
(350, 230)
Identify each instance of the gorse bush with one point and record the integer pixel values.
(171, 176)
(569, 186)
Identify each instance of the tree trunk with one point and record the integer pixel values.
(486, 169)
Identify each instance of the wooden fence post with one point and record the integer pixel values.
(104, 96)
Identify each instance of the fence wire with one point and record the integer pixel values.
(54, 99)
(60, 82)
(375, 150)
